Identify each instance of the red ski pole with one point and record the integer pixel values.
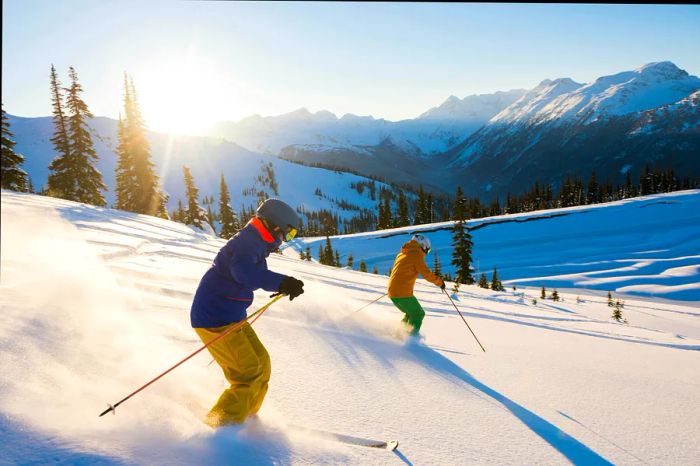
(253, 316)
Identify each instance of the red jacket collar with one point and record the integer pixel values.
(264, 233)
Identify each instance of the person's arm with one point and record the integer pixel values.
(425, 271)
(252, 274)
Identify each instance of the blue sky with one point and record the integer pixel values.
(195, 63)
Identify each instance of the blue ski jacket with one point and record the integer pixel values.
(226, 290)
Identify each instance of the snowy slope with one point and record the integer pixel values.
(647, 246)
(95, 303)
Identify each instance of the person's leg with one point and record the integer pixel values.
(260, 385)
(243, 369)
(413, 310)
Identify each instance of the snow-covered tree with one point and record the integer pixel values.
(194, 214)
(483, 282)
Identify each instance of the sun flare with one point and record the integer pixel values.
(182, 98)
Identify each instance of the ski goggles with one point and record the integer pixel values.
(290, 234)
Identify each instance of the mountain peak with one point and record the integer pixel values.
(664, 69)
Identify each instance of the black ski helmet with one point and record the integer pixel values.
(279, 214)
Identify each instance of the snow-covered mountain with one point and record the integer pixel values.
(562, 127)
(307, 187)
(95, 303)
(435, 130)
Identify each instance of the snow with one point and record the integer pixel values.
(436, 130)
(645, 246)
(650, 86)
(95, 302)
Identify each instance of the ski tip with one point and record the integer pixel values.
(392, 445)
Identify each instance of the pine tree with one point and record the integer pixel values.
(363, 266)
(308, 253)
(11, 175)
(496, 284)
(555, 295)
(137, 182)
(61, 183)
(75, 177)
(321, 255)
(336, 262)
(211, 220)
(162, 211)
(194, 214)
(375, 270)
(461, 242)
(385, 217)
(610, 300)
(617, 312)
(402, 215)
(419, 216)
(543, 295)
(227, 217)
(483, 283)
(350, 261)
(437, 267)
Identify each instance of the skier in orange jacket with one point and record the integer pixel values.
(409, 263)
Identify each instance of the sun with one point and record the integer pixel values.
(182, 97)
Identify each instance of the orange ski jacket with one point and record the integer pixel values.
(409, 263)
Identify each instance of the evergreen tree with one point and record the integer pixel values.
(137, 182)
(419, 217)
(437, 267)
(555, 295)
(593, 196)
(483, 283)
(375, 270)
(610, 300)
(363, 266)
(461, 242)
(308, 253)
(162, 211)
(61, 183)
(351, 260)
(617, 312)
(336, 263)
(211, 220)
(227, 217)
(385, 217)
(328, 256)
(402, 215)
(194, 214)
(543, 295)
(496, 284)
(75, 177)
(321, 255)
(11, 175)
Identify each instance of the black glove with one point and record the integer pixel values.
(291, 287)
(442, 287)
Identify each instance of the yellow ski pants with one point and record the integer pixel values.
(246, 366)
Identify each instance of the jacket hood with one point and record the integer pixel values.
(411, 246)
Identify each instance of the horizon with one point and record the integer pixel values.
(224, 65)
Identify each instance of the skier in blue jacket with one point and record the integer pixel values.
(222, 298)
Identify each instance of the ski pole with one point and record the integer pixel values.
(365, 306)
(254, 316)
(465, 320)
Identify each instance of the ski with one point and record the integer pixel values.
(390, 445)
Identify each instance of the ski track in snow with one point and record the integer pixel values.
(95, 302)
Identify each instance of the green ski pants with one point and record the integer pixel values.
(413, 310)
